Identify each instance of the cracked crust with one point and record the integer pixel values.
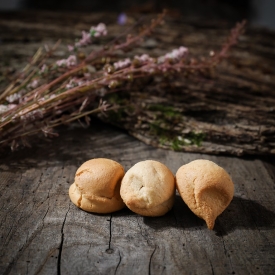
(96, 187)
(148, 188)
(206, 188)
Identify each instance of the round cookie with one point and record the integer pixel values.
(148, 188)
(97, 186)
(206, 188)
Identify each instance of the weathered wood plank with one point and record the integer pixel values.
(42, 232)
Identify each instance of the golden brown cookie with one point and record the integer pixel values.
(148, 188)
(97, 186)
(206, 188)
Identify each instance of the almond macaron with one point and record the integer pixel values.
(96, 187)
(148, 188)
(206, 188)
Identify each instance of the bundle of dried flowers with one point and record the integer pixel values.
(44, 95)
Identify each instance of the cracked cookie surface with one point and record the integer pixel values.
(97, 185)
(148, 188)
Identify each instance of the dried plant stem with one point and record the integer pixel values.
(71, 95)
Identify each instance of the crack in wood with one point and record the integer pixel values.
(109, 250)
(150, 261)
(119, 261)
(45, 216)
(110, 237)
(141, 233)
(61, 244)
(39, 182)
(212, 269)
(88, 251)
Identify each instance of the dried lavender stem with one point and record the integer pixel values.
(61, 96)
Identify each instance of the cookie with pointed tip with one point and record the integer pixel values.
(97, 186)
(206, 188)
(148, 188)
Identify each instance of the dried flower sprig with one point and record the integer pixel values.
(44, 96)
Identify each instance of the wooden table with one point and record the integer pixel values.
(42, 232)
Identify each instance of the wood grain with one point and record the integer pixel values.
(42, 232)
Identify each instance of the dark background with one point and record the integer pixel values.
(258, 12)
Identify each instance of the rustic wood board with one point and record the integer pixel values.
(42, 232)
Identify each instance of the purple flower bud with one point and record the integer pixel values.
(176, 54)
(122, 64)
(70, 61)
(144, 58)
(99, 30)
(70, 48)
(122, 19)
(44, 68)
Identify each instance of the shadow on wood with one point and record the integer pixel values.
(244, 214)
(74, 145)
(240, 214)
